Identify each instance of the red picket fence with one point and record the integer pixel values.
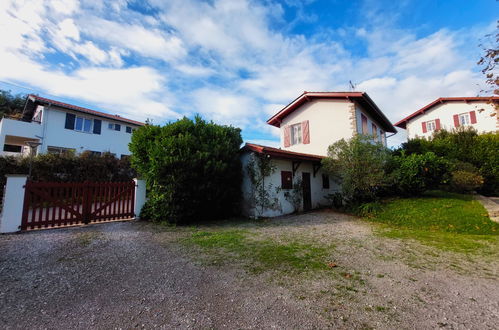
(55, 204)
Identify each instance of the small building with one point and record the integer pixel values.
(308, 125)
(58, 127)
(449, 113)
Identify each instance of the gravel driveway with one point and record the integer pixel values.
(132, 274)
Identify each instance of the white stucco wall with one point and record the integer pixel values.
(318, 193)
(329, 121)
(56, 135)
(380, 137)
(19, 128)
(486, 120)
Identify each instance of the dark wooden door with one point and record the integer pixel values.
(307, 195)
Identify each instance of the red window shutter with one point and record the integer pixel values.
(473, 117)
(437, 124)
(305, 128)
(456, 120)
(424, 126)
(287, 136)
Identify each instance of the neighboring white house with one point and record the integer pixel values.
(452, 112)
(60, 127)
(309, 125)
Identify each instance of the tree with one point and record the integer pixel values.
(359, 167)
(11, 105)
(490, 60)
(192, 170)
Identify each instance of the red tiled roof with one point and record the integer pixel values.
(40, 99)
(403, 122)
(360, 97)
(279, 153)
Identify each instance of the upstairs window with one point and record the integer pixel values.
(82, 124)
(296, 134)
(464, 119)
(431, 126)
(114, 127)
(12, 148)
(364, 124)
(375, 131)
(128, 129)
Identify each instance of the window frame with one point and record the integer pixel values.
(431, 125)
(364, 124)
(466, 116)
(83, 121)
(17, 147)
(128, 128)
(296, 128)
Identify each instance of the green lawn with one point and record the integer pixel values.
(446, 220)
(261, 253)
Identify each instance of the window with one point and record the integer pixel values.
(60, 150)
(286, 180)
(94, 153)
(382, 136)
(128, 129)
(325, 181)
(114, 127)
(12, 148)
(431, 126)
(375, 131)
(464, 118)
(296, 137)
(364, 124)
(83, 125)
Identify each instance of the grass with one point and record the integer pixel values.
(262, 254)
(444, 220)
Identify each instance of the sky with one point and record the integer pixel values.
(238, 62)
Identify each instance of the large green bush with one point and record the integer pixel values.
(465, 145)
(192, 170)
(416, 173)
(359, 166)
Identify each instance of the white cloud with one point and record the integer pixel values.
(146, 42)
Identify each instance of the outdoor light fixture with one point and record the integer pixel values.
(32, 146)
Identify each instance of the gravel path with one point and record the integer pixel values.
(132, 275)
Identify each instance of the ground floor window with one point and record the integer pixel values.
(286, 180)
(12, 148)
(60, 150)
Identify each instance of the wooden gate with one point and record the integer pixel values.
(54, 204)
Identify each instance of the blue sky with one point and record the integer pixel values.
(239, 61)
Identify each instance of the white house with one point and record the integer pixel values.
(309, 125)
(452, 112)
(60, 127)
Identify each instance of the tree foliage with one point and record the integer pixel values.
(359, 166)
(463, 145)
(11, 105)
(192, 170)
(490, 59)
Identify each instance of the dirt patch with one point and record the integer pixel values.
(127, 275)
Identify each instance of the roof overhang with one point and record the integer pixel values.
(403, 122)
(359, 97)
(281, 154)
(33, 100)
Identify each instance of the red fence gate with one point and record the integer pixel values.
(54, 204)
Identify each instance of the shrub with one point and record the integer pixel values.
(414, 174)
(465, 179)
(466, 145)
(192, 170)
(358, 165)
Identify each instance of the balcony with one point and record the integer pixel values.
(15, 133)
